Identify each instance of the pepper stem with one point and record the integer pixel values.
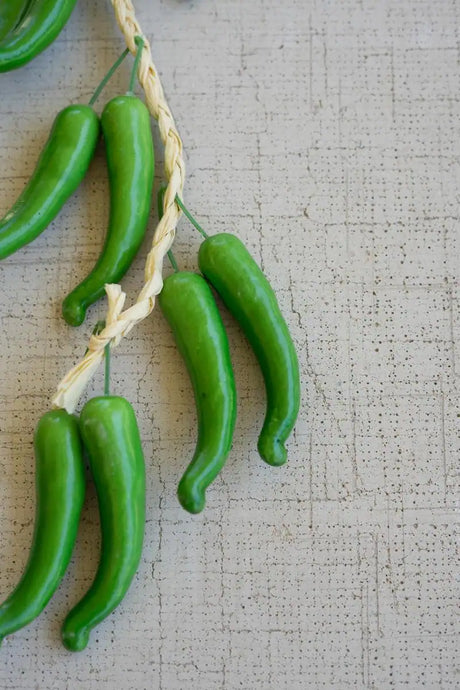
(139, 41)
(160, 200)
(96, 330)
(108, 76)
(187, 213)
(172, 261)
(107, 370)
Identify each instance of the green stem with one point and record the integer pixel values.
(160, 199)
(139, 41)
(187, 213)
(173, 261)
(107, 370)
(108, 76)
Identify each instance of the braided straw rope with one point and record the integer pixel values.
(119, 322)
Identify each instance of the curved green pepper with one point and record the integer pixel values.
(11, 12)
(38, 26)
(187, 303)
(60, 490)
(130, 159)
(109, 431)
(227, 264)
(60, 169)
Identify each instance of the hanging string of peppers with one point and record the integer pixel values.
(106, 427)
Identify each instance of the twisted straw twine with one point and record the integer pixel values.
(119, 322)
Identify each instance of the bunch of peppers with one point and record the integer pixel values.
(106, 428)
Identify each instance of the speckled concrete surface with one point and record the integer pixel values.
(326, 135)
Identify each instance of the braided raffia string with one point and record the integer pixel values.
(119, 322)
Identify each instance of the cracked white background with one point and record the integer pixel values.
(325, 133)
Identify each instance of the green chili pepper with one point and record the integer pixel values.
(109, 431)
(60, 169)
(188, 304)
(226, 263)
(60, 490)
(36, 28)
(11, 12)
(130, 159)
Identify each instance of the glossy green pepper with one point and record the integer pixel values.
(37, 24)
(60, 169)
(227, 264)
(130, 159)
(11, 12)
(60, 491)
(188, 304)
(109, 431)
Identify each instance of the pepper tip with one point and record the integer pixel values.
(73, 311)
(75, 640)
(191, 497)
(271, 450)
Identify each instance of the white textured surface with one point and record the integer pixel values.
(326, 135)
